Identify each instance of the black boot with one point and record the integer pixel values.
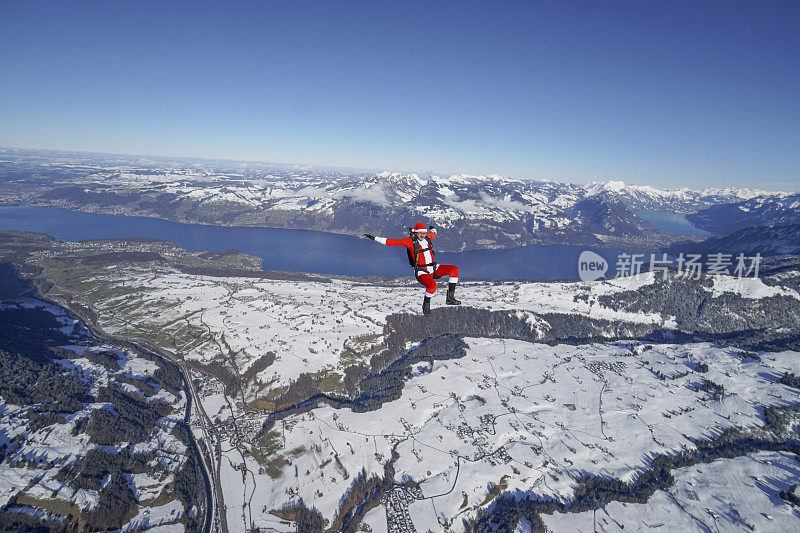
(451, 295)
(426, 305)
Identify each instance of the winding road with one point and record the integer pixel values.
(215, 520)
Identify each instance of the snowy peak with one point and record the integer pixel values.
(683, 200)
(604, 213)
(479, 211)
(596, 187)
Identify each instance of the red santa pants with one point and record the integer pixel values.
(429, 280)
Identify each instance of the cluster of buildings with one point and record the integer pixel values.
(250, 426)
(241, 429)
(396, 501)
(598, 368)
(208, 385)
(245, 425)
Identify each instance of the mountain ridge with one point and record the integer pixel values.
(476, 211)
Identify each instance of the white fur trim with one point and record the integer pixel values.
(453, 280)
(381, 240)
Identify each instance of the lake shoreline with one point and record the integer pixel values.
(303, 250)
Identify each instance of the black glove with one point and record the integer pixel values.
(368, 236)
(432, 228)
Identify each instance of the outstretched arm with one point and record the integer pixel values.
(432, 232)
(384, 240)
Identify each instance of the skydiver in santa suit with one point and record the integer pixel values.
(420, 254)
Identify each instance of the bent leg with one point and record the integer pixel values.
(429, 282)
(452, 272)
(448, 270)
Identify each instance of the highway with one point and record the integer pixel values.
(215, 520)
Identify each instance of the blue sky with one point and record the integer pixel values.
(664, 93)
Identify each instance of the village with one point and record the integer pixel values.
(507, 415)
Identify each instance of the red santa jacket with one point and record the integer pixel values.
(424, 263)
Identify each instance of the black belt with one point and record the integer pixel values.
(421, 268)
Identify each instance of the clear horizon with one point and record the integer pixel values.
(669, 96)
(795, 189)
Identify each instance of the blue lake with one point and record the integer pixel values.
(302, 250)
(671, 223)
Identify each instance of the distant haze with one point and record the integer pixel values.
(670, 94)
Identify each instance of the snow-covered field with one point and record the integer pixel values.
(726, 495)
(522, 416)
(33, 461)
(308, 325)
(509, 416)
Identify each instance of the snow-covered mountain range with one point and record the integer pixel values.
(759, 210)
(476, 211)
(683, 200)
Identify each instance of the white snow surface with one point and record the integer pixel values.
(307, 324)
(524, 416)
(517, 415)
(739, 494)
(155, 516)
(54, 446)
(749, 288)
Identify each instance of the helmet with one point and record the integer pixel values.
(420, 228)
